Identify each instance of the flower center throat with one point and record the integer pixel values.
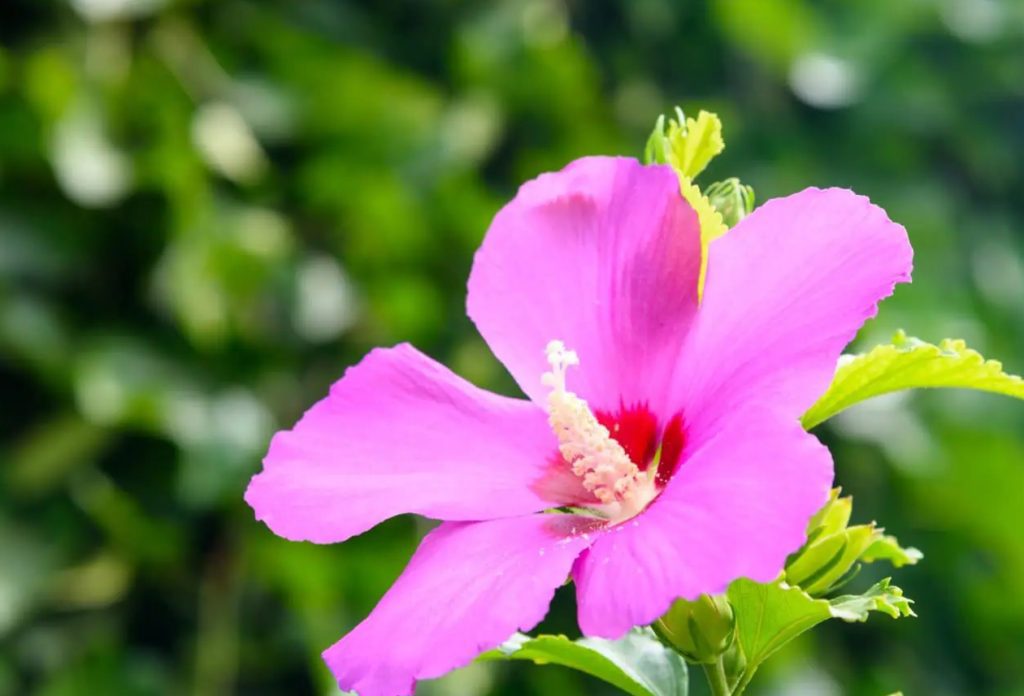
(598, 459)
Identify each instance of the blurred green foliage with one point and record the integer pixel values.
(209, 208)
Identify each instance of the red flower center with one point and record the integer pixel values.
(637, 429)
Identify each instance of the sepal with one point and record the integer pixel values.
(700, 630)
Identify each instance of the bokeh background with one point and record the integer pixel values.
(209, 208)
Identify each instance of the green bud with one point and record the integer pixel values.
(832, 518)
(834, 550)
(654, 151)
(732, 199)
(700, 630)
(821, 565)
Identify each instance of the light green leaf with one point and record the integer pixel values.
(882, 597)
(908, 363)
(887, 548)
(637, 663)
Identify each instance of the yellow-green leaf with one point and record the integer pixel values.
(696, 143)
(909, 363)
(688, 144)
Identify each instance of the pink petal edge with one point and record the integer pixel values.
(603, 255)
(467, 589)
(787, 289)
(401, 433)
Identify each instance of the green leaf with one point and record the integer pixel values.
(887, 548)
(770, 615)
(909, 363)
(637, 663)
(882, 597)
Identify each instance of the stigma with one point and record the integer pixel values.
(601, 463)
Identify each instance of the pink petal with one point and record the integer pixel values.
(786, 291)
(467, 589)
(736, 508)
(401, 433)
(603, 255)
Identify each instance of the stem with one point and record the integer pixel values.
(715, 673)
(748, 675)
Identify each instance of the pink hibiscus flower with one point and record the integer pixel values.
(663, 430)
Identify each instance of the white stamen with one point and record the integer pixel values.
(594, 455)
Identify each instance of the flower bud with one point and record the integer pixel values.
(832, 548)
(700, 630)
(732, 199)
(821, 565)
(834, 517)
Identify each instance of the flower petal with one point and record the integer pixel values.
(468, 588)
(737, 506)
(787, 289)
(401, 433)
(603, 255)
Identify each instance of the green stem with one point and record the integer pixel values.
(715, 673)
(748, 675)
